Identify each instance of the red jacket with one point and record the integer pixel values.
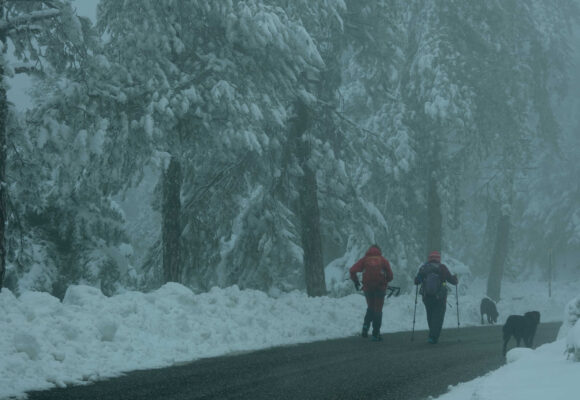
(372, 261)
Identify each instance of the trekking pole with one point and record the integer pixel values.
(457, 303)
(414, 312)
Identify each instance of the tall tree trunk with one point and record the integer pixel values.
(3, 214)
(311, 239)
(434, 218)
(171, 211)
(500, 252)
(308, 209)
(485, 253)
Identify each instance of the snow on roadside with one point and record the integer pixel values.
(571, 328)
(88, 336)
(539, 374)
(549, 371)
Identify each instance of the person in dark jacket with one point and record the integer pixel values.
(432, 277)
(376, 274)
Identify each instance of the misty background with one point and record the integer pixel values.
(262, 143)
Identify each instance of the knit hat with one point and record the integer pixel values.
(434, 256)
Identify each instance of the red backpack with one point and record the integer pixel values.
(373, 273)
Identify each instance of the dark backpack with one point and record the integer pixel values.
(432, 282)
(373, 274)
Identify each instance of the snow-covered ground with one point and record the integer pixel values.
(46, 342)
(543, 373)
(548, 372)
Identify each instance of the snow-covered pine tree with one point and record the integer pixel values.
(314, 149)
(375, 149)
(218, 82)
(438, 102)
(546, 191)
(408, 104)
(48, 43)
(506, 70)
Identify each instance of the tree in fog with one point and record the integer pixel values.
(47, 160)
(315, 148)
(512, 81)
(377, 147)
(439, 100)
(548, 191)
(254, 142)
(218, 82)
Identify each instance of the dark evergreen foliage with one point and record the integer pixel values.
(256, 142)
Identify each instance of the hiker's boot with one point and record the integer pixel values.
(365, 331)
(367, 323)
(377, 322)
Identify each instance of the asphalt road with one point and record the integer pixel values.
(348, 368)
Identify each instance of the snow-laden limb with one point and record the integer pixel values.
(27, 18)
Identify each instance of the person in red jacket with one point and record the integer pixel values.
(376, 274)
(432, 277)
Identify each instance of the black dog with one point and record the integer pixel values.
(533, 316)
(488, 308)
(521, 327)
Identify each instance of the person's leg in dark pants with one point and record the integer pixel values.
(429, 311)
(378, 301)
(370, 315)
(377, 322)
(439, 307)
(367, 321)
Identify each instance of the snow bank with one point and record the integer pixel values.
(532, 374)
(573, 342)
(88, 336)
(571, 328)
(538, 374)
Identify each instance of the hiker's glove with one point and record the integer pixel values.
(357, 285)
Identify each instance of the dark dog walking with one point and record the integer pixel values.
(521, 327)
(533, 316)
(488, 308)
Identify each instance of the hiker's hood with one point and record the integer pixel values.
(373, 251)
